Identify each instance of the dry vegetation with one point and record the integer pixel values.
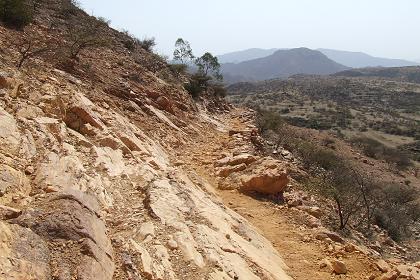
(387, 111)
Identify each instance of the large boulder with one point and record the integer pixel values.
(267, 177)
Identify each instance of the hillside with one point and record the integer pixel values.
(385, 110)
(403, 74)
(281, 64)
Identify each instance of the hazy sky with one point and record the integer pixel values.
(388, 28)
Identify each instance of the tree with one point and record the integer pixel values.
(209, 65)
(85, 34)
(31, 47)
(183, 52)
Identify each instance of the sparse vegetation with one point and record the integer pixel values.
(375, 149)
(359, 199)
(83, 34)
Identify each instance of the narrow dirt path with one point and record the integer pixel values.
(301, 252)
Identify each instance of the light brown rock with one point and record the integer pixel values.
(269, 181)
(338, 267)
(392, 275)
(8, 212)
(383, 266)
(226, 171)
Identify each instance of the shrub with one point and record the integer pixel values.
(178, 69)
(15, 13)
(69, 8)
(147, 44)
(218, 90)
(269, 120)
(197, 84)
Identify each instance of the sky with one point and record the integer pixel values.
(385, 28)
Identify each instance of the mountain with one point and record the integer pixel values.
(249, 54)
(361, 60)
(281, 64)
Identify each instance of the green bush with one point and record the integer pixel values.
(197, 84)
(16, 13)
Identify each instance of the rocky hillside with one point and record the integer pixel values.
(281, 64)
(89, 185)
(109, 169)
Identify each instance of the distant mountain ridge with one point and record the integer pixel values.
(249, 54)
(361, 60)
(346, 58)
(281, 64)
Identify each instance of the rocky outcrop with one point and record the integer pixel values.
(91, 194)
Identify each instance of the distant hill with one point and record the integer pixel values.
(281, 64)
(249, 54)
(403, 74)
(360, 60)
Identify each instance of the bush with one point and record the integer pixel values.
(269, 120)
(178, 69)
(147, 44)
(197, 84)
(218, 90)
(16, 13)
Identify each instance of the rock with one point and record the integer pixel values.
(408, 271)
(383, 266)
(164, 104)
(146, 259)
(67, 218)
(9, 133)
(172, 244)
(23, 254)
(350, 248)
(323, 234)
(8, 212)
(4, 81)
(12, 183)
(294, 202)
(268, 177)
(29, 170)
(226, 171)
(392, 275)
(147, 229)
(337, 267)
(313, 211)
(236, 160)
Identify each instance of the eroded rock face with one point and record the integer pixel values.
(71, 220)
(23, 254)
